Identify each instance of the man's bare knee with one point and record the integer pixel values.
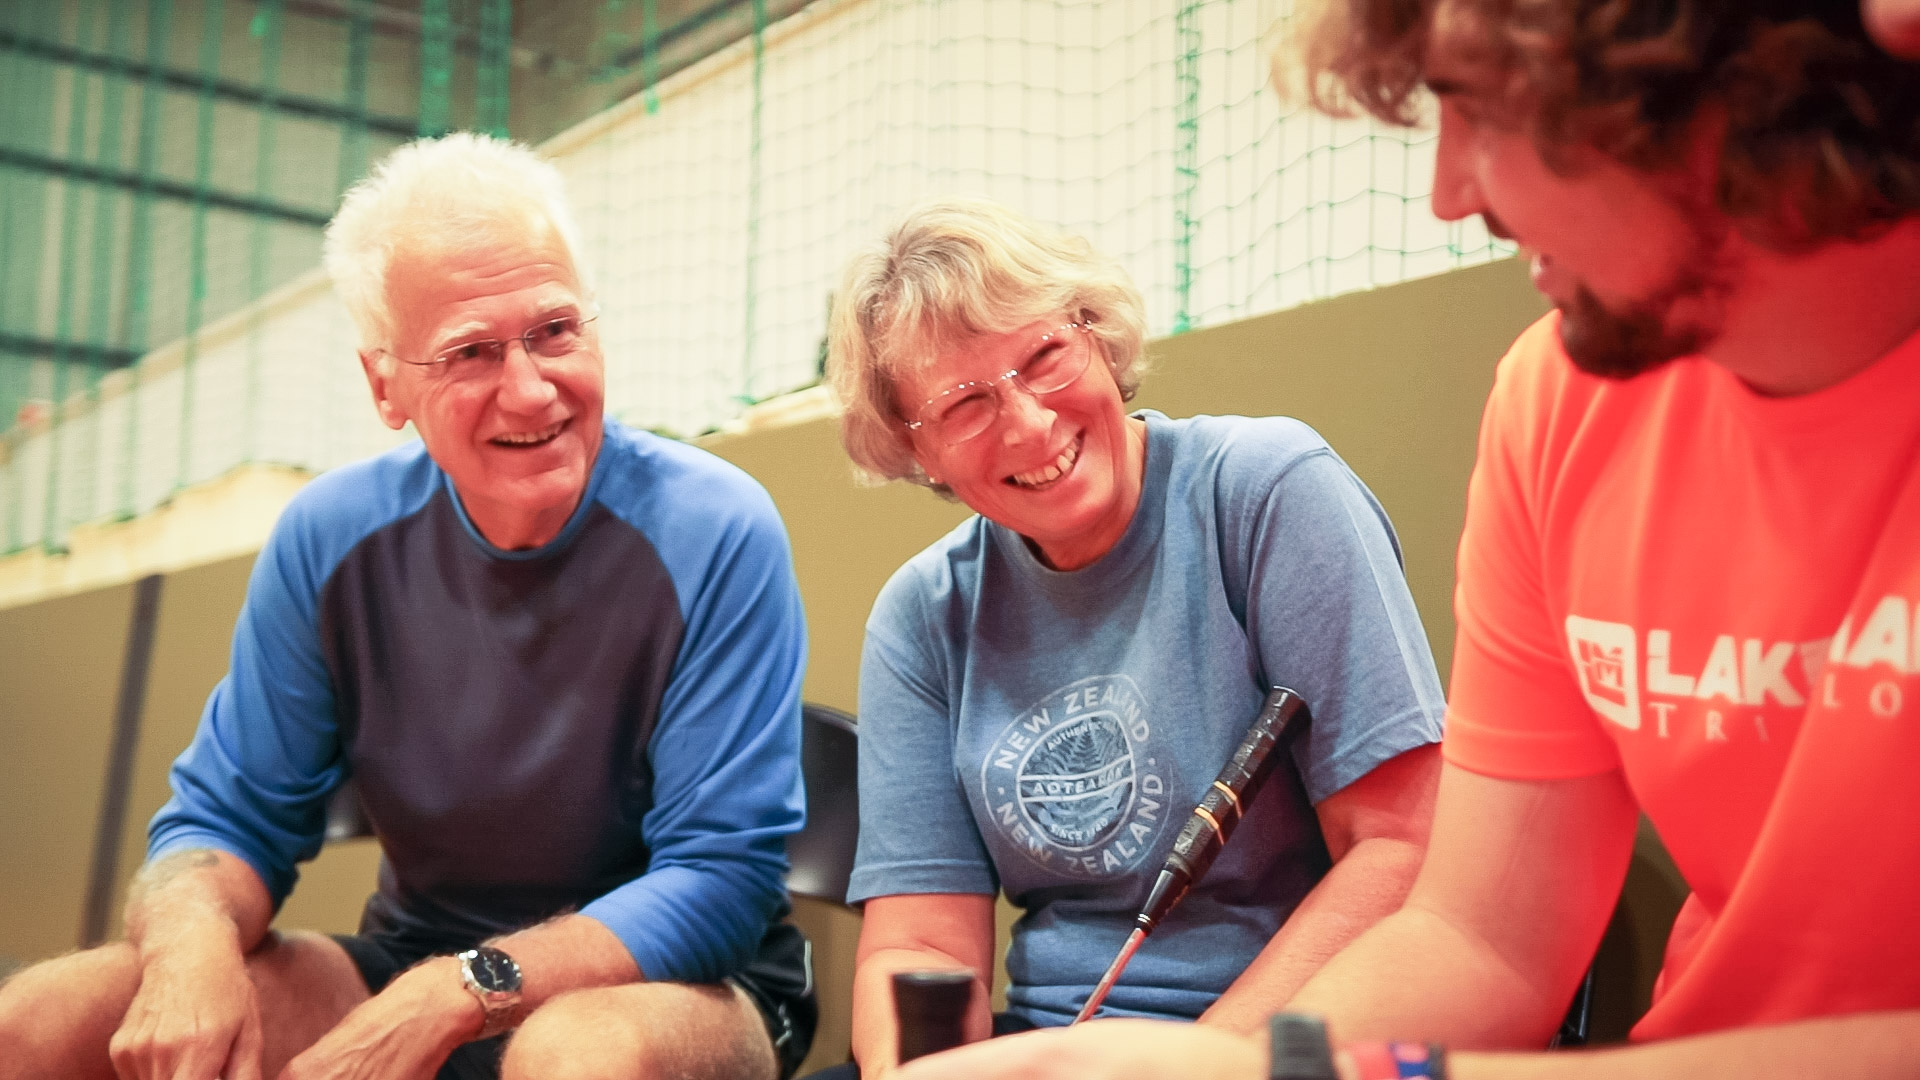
(304, 984)
(584, 1035)
(56, 1016)
(643, 1032)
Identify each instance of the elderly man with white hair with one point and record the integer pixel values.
(561, 661)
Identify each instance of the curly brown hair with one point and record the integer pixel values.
(1822, 136)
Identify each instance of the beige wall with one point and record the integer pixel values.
(59, 677)
(1394, 379)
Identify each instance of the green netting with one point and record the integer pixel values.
(436, 66)
(166, 167)
(266, 27)
(496, 39)
(210, 34)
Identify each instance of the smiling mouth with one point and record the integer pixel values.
(1052, 471)
(520, 440)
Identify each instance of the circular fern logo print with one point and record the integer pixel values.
(1070, 781)
(1077, 781)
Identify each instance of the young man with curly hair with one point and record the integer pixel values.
(1690, 575)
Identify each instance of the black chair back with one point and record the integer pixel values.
(821, 855)
(346, 819)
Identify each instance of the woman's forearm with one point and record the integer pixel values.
(931, 931)
(876, 1035)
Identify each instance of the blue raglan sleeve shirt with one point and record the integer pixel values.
(255, 779)
(722, 751)
(726, 750)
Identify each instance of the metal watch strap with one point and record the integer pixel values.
(496, 986)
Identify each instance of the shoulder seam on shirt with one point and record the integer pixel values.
(320, 586)
(1266, 497)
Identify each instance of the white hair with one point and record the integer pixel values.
(440, 194)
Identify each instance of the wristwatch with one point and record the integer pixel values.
(492, 977)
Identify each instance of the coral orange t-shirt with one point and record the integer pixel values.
(1718, 593)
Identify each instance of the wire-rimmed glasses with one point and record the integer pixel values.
(963, 412)
(551, 337)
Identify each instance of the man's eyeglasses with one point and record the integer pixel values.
(965, 411)
(551, 338)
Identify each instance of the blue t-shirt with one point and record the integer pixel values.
(1047, 733)
(608, 723)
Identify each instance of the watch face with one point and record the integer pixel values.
(494, 971)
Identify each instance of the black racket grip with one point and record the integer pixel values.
(1298, 1048)
(1213, 821)
(1221, 808)
(930, 1009)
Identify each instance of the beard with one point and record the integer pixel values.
(1622, 344)
(1679, 320)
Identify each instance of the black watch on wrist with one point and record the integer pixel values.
(492, 977)
(1298, 1048)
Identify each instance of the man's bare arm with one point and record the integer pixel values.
(197, 891)
(1376, 831)
(412, 1025)
(1870, 1046)
(192, 917)
(1518, 883)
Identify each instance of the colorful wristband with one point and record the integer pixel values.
(1398, 1060)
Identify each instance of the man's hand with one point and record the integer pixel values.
(405, 1032)
(1101, 1050)
(195, 1017)
(192, 917)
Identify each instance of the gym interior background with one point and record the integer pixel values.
(173, 366)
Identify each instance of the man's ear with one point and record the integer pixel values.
(378, 368)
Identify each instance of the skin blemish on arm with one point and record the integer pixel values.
(169, 868)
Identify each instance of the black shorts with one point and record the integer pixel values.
(779, 980)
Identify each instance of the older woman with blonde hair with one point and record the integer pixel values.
(1049, 688)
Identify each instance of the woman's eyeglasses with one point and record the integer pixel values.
(965, 411)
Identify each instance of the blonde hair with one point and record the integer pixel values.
(439, 194)
(952, 269)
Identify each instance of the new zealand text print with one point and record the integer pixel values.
(1074, 783)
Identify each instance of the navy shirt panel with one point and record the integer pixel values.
(495, 715)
